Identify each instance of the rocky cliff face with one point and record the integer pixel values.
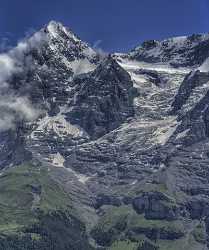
(103, 99)
(122, 140)
(179, 52)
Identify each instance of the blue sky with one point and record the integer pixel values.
(119, 24)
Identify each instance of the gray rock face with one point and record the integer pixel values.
(102, 200)
(159, 234)
(192, 80)
(46, 73)
(12, 149)
(125, 132)
(154, 77)
(103, 99)
(179, 52)
(191, 104)
(156, 206)
(46, 76)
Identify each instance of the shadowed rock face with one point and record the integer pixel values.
(13, 150)
(154, 77)
(156, 206)
(104, 99)
(179, 52)
(192, 80)
(191, 106)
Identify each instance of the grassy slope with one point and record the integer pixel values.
(17, 197)
(32, 205)
(119, 228)
(36, 213)
(124, 245)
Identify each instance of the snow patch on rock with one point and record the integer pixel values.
(59, 125)
(205, 66)
(182, 134)
(163, 134)
(57, 160)
(160, 67)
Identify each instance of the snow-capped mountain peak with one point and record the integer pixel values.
(54, 27)
(184, 51)
(127, 135)
(57, 30)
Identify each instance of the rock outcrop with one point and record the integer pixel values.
(156, 206)
(103, 99)
(189, 51)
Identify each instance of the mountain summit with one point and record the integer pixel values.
(104, 152)
(179, 51)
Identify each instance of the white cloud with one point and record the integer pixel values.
(96, 44)
(24, 46)
(21, 106)
(99, 50)
(14, 107)
(12, 61)
(7, 67)
(4, 44)
(6, 122)
(82, 66)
